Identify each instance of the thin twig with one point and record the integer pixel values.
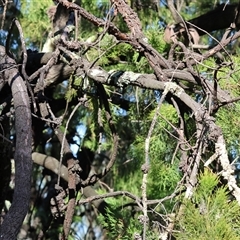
(145, 167)
(112, 194)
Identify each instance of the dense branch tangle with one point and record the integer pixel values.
(166, 70)
(176, 76)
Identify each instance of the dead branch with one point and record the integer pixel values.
(23, 162)
(53, 165)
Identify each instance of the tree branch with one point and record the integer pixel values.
(23, 162)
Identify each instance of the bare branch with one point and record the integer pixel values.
(19, 208)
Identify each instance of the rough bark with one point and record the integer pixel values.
(166, 72)
(23, 163)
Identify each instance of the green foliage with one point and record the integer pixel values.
(227, 116)
(163, 176)
(155, 39)
(196, 8)
(121, 56)
(34, 21)
(162, 141)
(163, 179)
(228, 120)
(114, 224)
(120, 222)
(72, 89)
(70, 94)
(228, 77)
(209, 214)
